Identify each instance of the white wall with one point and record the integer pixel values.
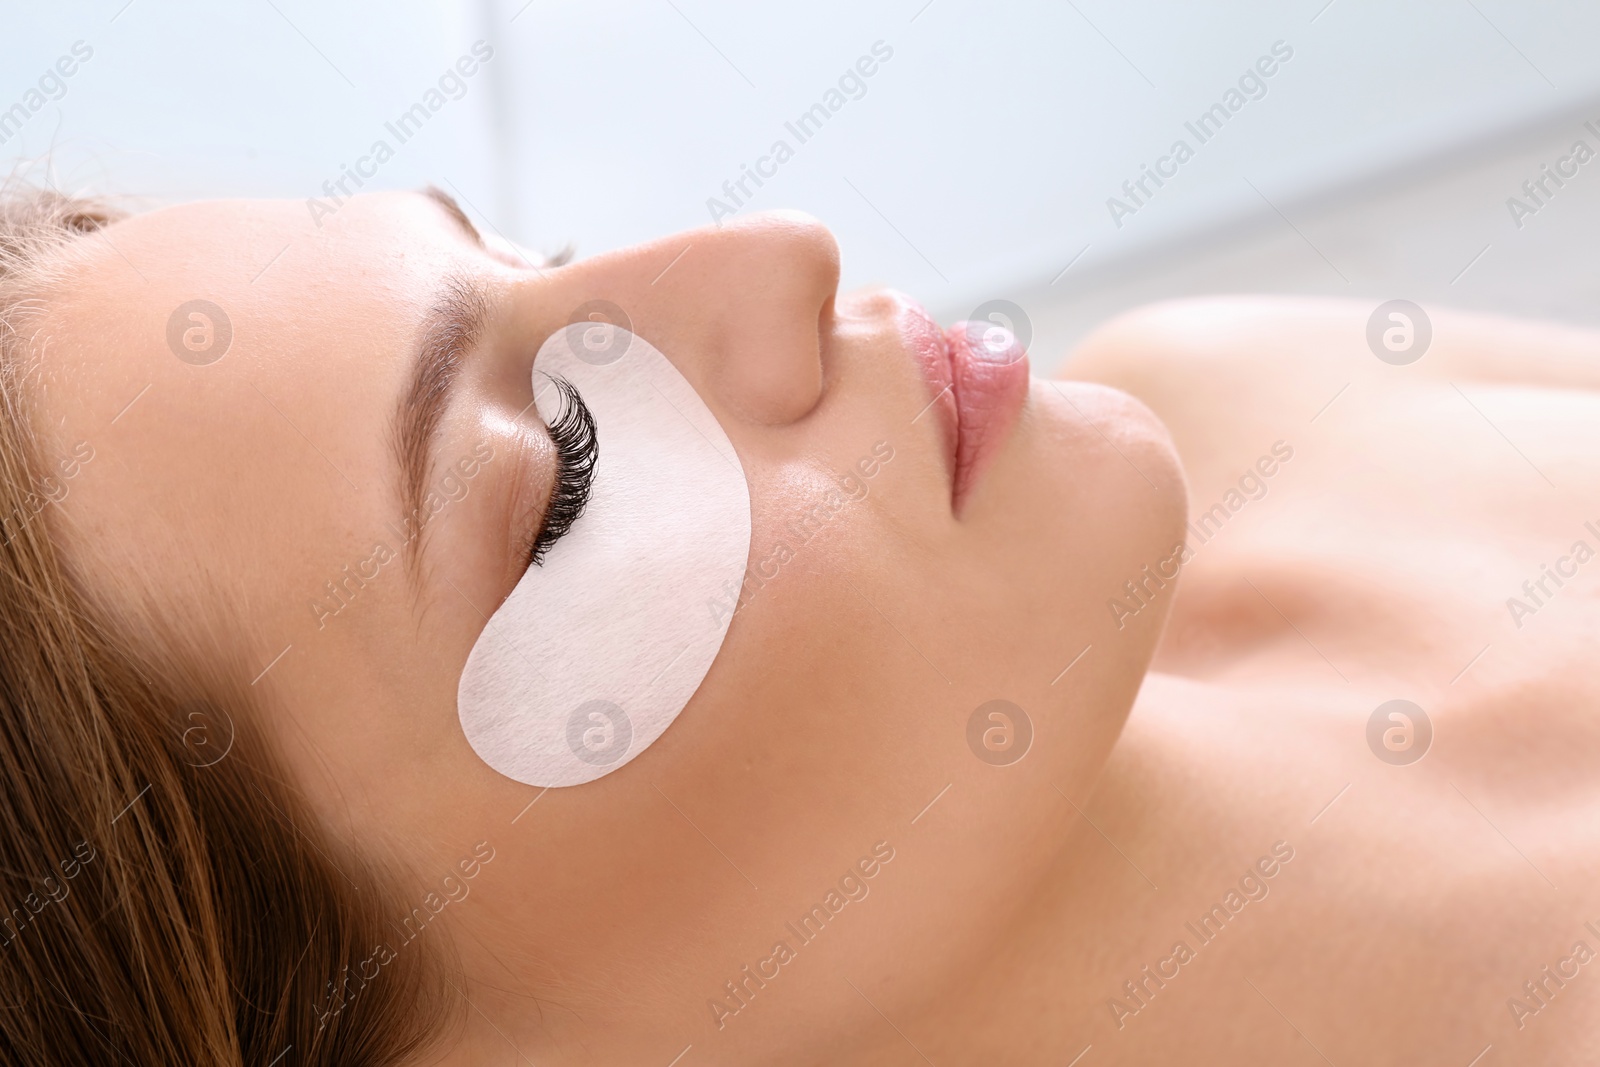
(977, 163)
(182, 100)
(994, 137)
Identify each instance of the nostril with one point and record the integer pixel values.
(749, 305)
(871, 305)
(770, 379)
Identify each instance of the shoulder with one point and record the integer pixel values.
(1231, 374)
(1280, 337)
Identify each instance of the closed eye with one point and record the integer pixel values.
(577, 445)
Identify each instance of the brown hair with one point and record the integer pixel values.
(165, 895)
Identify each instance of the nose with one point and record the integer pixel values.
(743, 310)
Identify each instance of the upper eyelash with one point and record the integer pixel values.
(577, 446)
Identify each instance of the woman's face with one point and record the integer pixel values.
(839, 705)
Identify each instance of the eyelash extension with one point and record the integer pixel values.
(577, 450)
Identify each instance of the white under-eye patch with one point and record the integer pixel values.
(595, 652)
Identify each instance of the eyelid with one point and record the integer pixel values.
(453, 209)
(500, 248)
(510, 253)
(528, 492)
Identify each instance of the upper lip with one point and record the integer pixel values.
(930, 350)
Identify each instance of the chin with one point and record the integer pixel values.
(1088, 493)
(1092, 464)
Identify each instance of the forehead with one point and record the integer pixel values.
(257, 251)
(234, 368)
(203, 296)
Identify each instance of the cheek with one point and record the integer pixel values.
(869, 631)
(810, 669)
(796, 513)
(838, 709)
(840, 706)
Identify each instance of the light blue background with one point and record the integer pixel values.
(977, 164)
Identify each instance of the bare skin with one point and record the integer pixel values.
(614, 917)
(1420, 898)
(247, 489)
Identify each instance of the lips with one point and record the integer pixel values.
(977, 375)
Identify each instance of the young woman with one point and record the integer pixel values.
(974, 777)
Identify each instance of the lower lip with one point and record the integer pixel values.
(977, 374)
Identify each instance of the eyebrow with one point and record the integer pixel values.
(453, 327)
